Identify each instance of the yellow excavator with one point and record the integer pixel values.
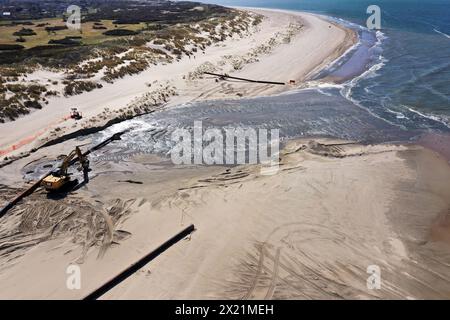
(58, 179)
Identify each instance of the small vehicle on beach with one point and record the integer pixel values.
(75, 114)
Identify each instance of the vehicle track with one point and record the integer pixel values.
(273, 283)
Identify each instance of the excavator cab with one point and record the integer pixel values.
(55, 182)
(60, 178)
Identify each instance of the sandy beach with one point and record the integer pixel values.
(311, 231)
(308, 232)
(335, 209)
(283, 40)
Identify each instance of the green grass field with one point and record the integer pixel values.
(88, 33)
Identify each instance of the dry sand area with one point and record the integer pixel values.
(285, 46)
(308, 232)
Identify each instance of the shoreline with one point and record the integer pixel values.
(40, 131)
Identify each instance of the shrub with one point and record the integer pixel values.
(32, 104)
(24, 33)
(158, 42)
(77, 87)
(4, 47)
(120, 32)
(55, 28)
(67, 41)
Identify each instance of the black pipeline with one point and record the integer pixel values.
(139, 264)
(225, 76)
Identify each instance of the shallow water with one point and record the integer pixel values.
(307, 113)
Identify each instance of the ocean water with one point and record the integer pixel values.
(396, 84)
(410, 75)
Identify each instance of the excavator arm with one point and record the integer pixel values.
(67, 161)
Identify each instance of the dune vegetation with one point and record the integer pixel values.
(120, 39)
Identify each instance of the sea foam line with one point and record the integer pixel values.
(442, 33)
(436, 118)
